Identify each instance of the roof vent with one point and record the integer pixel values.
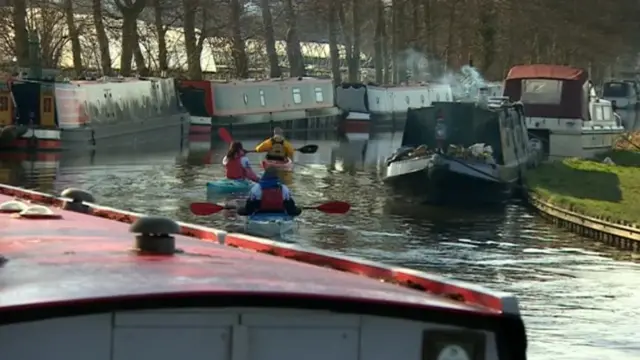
(12, 206)
(79, 197)
(37, 212)
(155, 235)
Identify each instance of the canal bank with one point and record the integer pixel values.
(598, 198)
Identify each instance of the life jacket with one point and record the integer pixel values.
(271, 200)
(277, 148)
(234, 169)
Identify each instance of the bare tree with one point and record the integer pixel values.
(103, 40)
(76, 48)
(270, 40)
(130, 9)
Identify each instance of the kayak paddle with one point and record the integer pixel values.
(205, 208)
(331, 207)
(226, 137)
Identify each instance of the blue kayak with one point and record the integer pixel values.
(269, 225)
(227, 186)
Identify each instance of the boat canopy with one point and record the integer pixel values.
(466, 124)
(549, 91)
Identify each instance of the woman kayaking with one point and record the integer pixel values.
(270, 196)
(237, 165)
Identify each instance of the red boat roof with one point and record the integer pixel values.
(541, 71)
(83, 257)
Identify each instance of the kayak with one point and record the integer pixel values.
(269, 225)
(286, 165)
(226, 186)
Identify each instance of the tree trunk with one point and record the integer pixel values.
(141, 65)
(333, 42)
(76, 49)
(162, 39)
(21, 33)
(130, 10)
(270, 40)
(239, 52)
(103, 40)
(294, 52)
(193, 56)
(378, 41)
(354, 61)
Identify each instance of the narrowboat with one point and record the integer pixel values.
(85, 281)
(563, 110)
(258, 105)
(90, 114)
(461, 153)
(385, 107)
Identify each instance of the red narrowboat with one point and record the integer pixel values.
(82, 281)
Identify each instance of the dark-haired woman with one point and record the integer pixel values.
(237, 165)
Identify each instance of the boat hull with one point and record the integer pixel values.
(269, 225)
(447, 182)
(280, 165)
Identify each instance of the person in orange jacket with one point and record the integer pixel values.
(276, 147)
(237, 165)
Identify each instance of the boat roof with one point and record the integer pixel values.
(543, 71)
(89, 257)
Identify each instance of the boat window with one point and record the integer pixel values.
(615, 89)
(319, 96)
(297, 96)
(541, 91)
(263, 102)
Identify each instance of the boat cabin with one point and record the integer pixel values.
(464, 124)
(623, 94)
(562, 109)
(387, 101)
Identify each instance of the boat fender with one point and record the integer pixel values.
(155, 235)
(8, 134)
(79, 198)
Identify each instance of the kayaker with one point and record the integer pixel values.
(270, 196)
(237, 165)
(277, 147)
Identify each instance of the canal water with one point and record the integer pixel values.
(580, 299)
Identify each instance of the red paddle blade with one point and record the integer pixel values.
(203, 208)
(334, 207)
(224, 135)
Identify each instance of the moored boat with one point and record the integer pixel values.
(269, 225)
(94, 287)
(461, 152)
(89, 114)
(256, 105)
(563, 110)
(284, 165)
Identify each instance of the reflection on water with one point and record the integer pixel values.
(579, 297)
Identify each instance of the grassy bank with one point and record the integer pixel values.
(592, 187)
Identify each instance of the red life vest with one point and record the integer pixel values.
(271, 200)
(234, 169)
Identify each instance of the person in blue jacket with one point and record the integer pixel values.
(270, 196)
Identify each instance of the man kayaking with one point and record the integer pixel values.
(270, 196)
(277, 147)
(237, 165)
